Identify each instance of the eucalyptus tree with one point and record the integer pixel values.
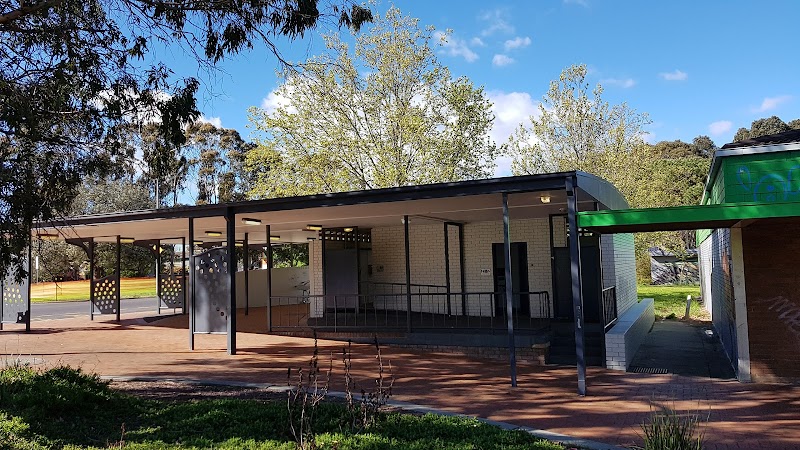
(381, 114)
(72, 69)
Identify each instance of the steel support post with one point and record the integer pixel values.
(512, 347)
(230, 217)
(408, 273)
(118, 290)
(246, 264)
(158, 274)
(91, 278)
(463, 278)
(184, 274)
(577, 292)
(447, 287)
(191, 274)
(269, 279)
(30, 279)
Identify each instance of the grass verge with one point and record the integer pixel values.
(670, 301)
(65, 408)
(75, 291)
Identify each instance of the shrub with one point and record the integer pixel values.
(668, 430)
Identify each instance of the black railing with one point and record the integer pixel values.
(609, 298)
(418, 311)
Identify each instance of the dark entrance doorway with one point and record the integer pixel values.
(519, 277)
(591, 280)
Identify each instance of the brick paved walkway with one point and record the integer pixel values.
(740, 415)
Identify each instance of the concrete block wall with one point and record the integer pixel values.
(624, 261)
(625, 337)
(315, 279)
(724, 318)
(428, 266)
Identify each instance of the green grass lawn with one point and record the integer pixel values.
(73, 291)
(64, 408)
(671, 300)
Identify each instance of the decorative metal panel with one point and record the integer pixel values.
(15, 300)
(172, 290)
(105, 299)
(212, 291)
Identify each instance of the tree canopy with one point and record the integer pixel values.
(71, 71)
(383, 114)
(764, 127)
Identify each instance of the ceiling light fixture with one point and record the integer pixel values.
(314, 227)
(47, 236)
(214, 233)
(124, 240)
(348, 230)
(274, 237)
(239, 243)
(247, 221)
(545, 198)
(198, 242)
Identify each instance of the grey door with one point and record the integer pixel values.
(341, 279)
(590, 276)
(519, 276)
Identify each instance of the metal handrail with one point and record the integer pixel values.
(609, 306)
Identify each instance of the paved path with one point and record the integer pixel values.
(683, 349)
(62, 310)
(743, 416)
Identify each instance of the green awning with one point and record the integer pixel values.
(695, 217)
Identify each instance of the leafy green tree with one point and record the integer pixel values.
(577, 130)
(704, 146)
(71, 70)
(384, 114)
(218, 157)
(762, 127)
(794, 124)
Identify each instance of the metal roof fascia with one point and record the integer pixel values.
(597, 220)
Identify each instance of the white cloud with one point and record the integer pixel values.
(720, 127)
(772, 102)
(216, 121)
(477, 42)
(675, 75)
(496, 22)
(502, 60)
(517, 42)
(273, 101)
(584, 3)
(453, 46)
(624, 83)
(510, 109)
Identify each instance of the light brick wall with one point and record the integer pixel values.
(624, 261)
(315, 280)
(705, 256)
(428, 265)
(627, 335)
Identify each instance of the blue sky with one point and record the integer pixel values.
(696, 67)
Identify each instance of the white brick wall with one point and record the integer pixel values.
(315, 281)
(624, 258)
(625, 337)
(428, 266)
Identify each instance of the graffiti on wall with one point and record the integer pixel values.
(770, 187)
(786, 311)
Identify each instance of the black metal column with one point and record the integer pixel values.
(246, 264)
(30, 279)
(191, 274)
(184, 275)
(91, 278)
(512, 347)
(577, 293)
(408, 273)
(119, 277)
(461, 269)
(158, 274)
(230, 217)
(447, 267)
(269, 279)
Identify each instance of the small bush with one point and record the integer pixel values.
(668, 430)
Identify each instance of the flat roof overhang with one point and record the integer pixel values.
(462, 202)
(695, 217)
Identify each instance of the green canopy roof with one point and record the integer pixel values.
(694, 217)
